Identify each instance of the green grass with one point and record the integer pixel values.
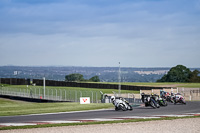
(94, 123)
(11, 107)
(177, 84)
(107, 91)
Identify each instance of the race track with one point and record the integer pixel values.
(171, 109)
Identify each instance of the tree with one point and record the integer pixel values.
(194, 76)
(95, 79)
(74, 77)
(179, 73)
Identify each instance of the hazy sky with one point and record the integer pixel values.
(137, 33)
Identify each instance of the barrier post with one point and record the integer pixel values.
(44, 87)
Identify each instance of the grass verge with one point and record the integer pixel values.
(107, 91)
(93, 123)
(13, 107)
(159, 84)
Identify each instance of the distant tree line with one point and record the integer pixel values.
(79, 77)
(181, 73)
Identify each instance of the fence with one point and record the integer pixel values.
(190, 94)
(51, 94)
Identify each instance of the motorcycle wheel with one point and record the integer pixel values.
(172, 101)
(183, 102)
(122, 107)
(161, 103)
(157, 105)
(165, 103)
(152, 105)
(131, 108)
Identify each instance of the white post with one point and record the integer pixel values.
(44, 87)
(119, 78)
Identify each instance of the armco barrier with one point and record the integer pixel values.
(39, 82)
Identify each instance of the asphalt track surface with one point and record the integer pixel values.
(171, 109)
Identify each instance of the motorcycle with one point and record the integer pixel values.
(121, 104)
(178, 98)
(148, 100)
(166, 96)
(159, 100)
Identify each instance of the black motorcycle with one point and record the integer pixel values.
(148, 100)
(166, 96)
(159, 100)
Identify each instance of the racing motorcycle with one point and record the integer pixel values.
(121, 104)
(148, 100)
(166, 96)
(178, 98)
(159, 100)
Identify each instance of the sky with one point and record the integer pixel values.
(100, 33)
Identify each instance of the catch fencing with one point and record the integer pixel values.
(52, 94)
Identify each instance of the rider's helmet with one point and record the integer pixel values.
(112, 98)
(172, 94)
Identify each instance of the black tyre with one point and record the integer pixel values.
(183, 101)
(157, 105)
(153, 105)
(161, 103)
(130, 108)
(122, 107)
(165, 103)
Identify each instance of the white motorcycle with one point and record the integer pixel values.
(121, 104)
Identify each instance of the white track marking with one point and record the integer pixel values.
(140, 117)
(16, 124)
(101, 119)
(56, 122)
(174, 115)
(193, 113)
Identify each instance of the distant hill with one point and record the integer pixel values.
(106, 74)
